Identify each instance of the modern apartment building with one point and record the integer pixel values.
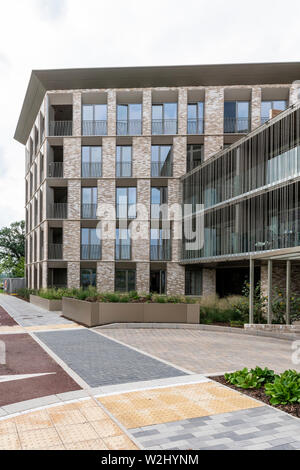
(152, 136)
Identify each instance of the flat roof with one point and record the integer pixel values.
(42, 81)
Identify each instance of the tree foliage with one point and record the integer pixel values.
(12, 249)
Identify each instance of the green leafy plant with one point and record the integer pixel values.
(285, 389)
(254, 378)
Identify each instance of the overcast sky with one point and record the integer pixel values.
(43, 34)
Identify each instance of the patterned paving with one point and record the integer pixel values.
(76, 426)
(260, 428)
(145, 408)
(208, 352)
(100, 361)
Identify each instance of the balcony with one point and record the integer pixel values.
(90, 128)
(60, 128)
(265, 119)
(123, 170)
(90, 252)
(130, 127)
(123, 252)
(58, 211)
(91, 170)
(161, 170)
(164, 126)
(56, 170)
(195, 126)
(55, 252)
(89, 211)
(236, 125)
(160, 252)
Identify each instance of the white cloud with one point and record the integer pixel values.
(93, 33)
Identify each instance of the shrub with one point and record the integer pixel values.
(26, 293)
(215, 310)
(255, 378)
(285, 389)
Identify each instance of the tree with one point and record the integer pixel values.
(12, 249)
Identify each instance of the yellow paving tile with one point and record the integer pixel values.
(120, 443)
(7, 427)
(93, 413)
(10, 442)
(37, 420)
(71, 434)
(106, 428)
(51, 327)
(67, 417)
(96, 444)
(39, 439)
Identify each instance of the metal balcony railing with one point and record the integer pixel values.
(124, 170)
(56, 170)
(89, 211)
(91, 170)
(160, 252)
(90, 252)
(123, 252)
(58, 211)
(126, 211)
(161, 170)
(131, 127)
(164, 126)
(236, 125)
(195, 126)
(60, 128)
(94, 128)
(55, 251)
(264, 119)
(159, 211)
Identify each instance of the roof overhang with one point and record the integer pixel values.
(42, 81)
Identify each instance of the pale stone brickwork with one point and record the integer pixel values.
(109, 157)
(74, 275)
(256, 107)
(147, 112)
(45, 275)
(179, 156)
(111, 111)
(77, 106)
(175, 279)
(214, 121)
(106, 276)
(71, 240)
(72, 158)
(74, 199)
(142, 277)
(208, 282)
(107, 196)
(182, 111)
(141, 157)
(212, 145)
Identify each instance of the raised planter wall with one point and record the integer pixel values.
(97, 314)
(46, 304)
(282, 328)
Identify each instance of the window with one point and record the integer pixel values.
(88, 278)
(160, 245)
(91, 162)
(90, 244)
(125, 280)
(194, 156)
(236, 117)
(123, 244)
(164, 118)
(193, 282)
(196, 118)
(158, 282)
(94, 119)
(161, 161)
(126, 203)
(129, 119)
(267, 106)
(89, 203)
(159, 197)
(124, 162)
(41, 168)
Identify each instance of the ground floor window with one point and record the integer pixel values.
(125, 280)
(158, 282)
(193, 282)
(88, 278)
(57, 277)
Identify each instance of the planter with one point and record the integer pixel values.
(46, 304)
(278, 328)
(97, 314)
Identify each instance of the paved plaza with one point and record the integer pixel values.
(64, 387)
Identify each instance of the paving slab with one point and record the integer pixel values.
(100, 361)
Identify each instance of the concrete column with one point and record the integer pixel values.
(288, 292)
(270, 272)
(251, 296)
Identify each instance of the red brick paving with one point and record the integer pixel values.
(25, 356)
(5, 319)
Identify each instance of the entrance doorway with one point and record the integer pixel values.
(158, 282)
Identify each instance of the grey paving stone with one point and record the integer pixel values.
(100, 361)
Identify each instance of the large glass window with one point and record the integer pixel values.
(94, 119)
(125, 280)
(160, 244)
(196, 118)
(124, 162)
(91, 165)
(89, 203)
(88, 278)
(123, 244)
(126, 203)
(194, 156)
(159, 198)
(193, 282)
(129, 119)
(236, 117)
(161, 161)
(164, 118)
(267, 106)
(90, 244)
